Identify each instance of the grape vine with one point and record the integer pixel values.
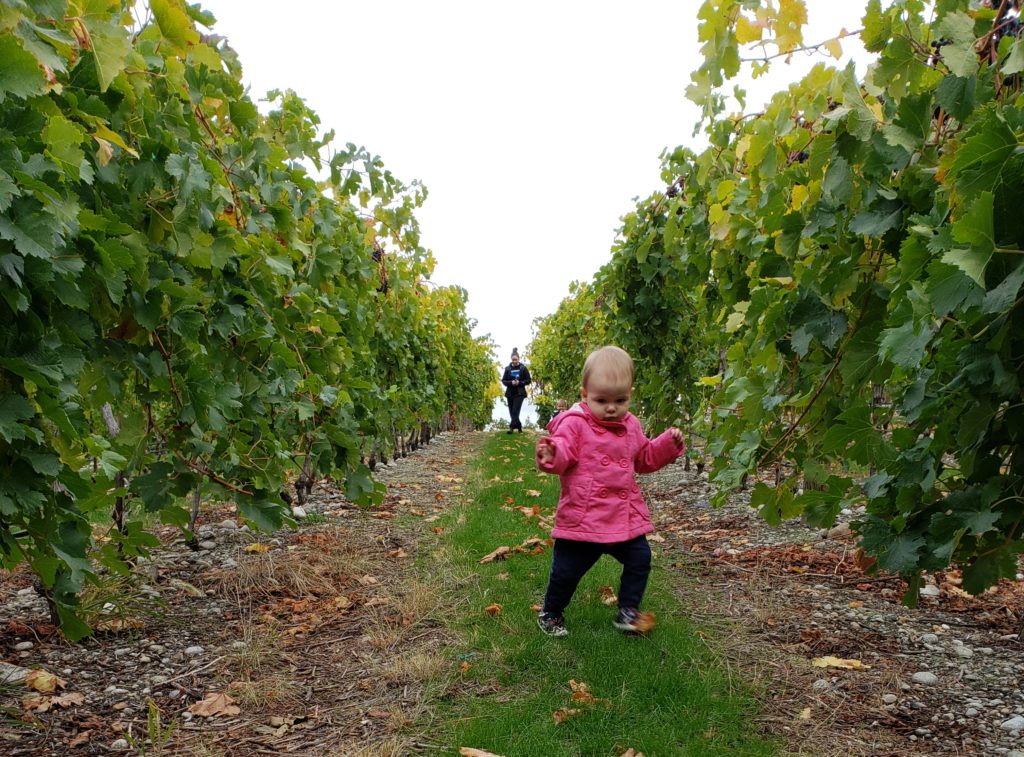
(187, 310)
(835, 284)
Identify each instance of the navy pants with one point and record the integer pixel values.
(572, 559)
(515, 404)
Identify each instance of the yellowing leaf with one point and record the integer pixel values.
(43, 681)
(834, 48)
(108, 135)
(798, 196)
(257, 547)
(710, 380)
(747, 31)
(839, 662)
(805, 714)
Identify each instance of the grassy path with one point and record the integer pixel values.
(659, 695)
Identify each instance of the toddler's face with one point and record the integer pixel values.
(607, 398)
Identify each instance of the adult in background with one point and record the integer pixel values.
(515, 379)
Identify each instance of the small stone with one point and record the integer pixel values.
(194, 651)
(930, 591)
(120, 745)
(821, 684)
(238, 645)
(208, 545)
(890, 698)
(23, 646)
(228, 525)
(145, 658)
(157, 648)
(121, 652)
(298, 512)
(971, 712)
(1016, 723)
(963, 651)
(925, 678)
(929, 638)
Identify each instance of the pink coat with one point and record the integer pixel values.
(596, 461)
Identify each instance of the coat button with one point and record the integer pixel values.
(603, 493)
(636, 488)
(623, 463)
(623, 494)
(605, 460)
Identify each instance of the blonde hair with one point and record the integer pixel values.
(613, 362)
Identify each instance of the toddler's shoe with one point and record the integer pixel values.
(626, 620)
(552, 624)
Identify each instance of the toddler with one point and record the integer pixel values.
(595, 447)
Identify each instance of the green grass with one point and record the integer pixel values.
(665, 693)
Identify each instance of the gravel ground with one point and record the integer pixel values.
(944, 678)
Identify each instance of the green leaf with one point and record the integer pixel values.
(14, 409)
(974, 228)
(174, 23)
(64, 139)
(979, 161)
(1014, 62)
(958, 54)
(20, 74)
(901, 555)
(956, 95)
(986, 570)
(877, 27)
(111, 44)
(1000, 299)
(904, 345)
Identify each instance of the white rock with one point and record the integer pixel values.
(1016, 723)
(929, 638)
(194, 651)
(228, 525)
(930, 591)
(963, 651)
(821, 684)
(890, 698)
(925, 678)
(208, 544)
(12, 673)
(23, 646)
(971, 712)
(120, 745)
(298, 512)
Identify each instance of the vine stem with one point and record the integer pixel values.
(801, 49)
(170, 370)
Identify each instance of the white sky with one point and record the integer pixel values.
(532, 124)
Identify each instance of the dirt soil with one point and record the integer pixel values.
(322, 640)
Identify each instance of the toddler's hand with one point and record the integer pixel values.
(677, 437)
(545, 451)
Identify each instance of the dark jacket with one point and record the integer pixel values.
(522, 373)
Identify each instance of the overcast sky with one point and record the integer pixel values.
(532, 124)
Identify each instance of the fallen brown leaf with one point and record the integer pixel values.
(397, 553)
(468, 751)
(499, 554)
(215, 704)
(257, 547)
(80, 739)
(564, 713)
(607, 594)
(493, 610)
(837, 662)
(376, 713)
(646, 622)
(464, 667)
